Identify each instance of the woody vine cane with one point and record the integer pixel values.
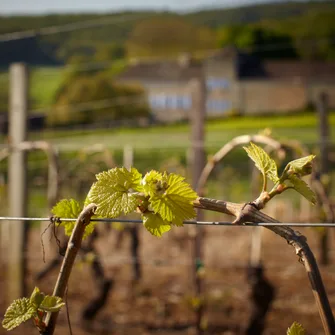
(165, 200)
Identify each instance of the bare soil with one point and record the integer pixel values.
(161, 302)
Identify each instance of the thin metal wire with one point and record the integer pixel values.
(204, 223)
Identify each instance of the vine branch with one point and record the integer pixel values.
(237, 141)
(73, 247)
(245, 213)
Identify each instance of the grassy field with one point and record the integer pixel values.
(44, 82)
(43, 85)
(301, 127)
(159, 147)
(163, 148)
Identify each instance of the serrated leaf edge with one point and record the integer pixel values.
(30, 312)
(269, 169)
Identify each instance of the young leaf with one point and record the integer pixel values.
(152, 183)
(112, 192)
(67, 208)
(70, 208)
(90, 227)
(155, 224)
(300, 186)
(18, 312)
(37, 297)
(301, 166)
(172, 198)
(263, 162)
(51, 304)
(296, 329)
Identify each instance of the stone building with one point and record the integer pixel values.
(235, 83)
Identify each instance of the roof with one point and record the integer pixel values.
(299, 69)
(161, 71)
(227, 52)
(247, 66)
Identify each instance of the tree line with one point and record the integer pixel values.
(289, 30)
(305, 29)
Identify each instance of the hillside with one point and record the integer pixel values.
(116, 27)
(256, 13)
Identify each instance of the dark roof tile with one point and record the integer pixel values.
(299, 69)
(161, 70)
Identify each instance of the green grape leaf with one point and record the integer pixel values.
(300, 186)
(87, 200)
(112, 192)
(70, 208)
(172, 198)
(296, 329)
(301, 166)
(37, 297)
(263, 162)
(51, 304)
(90, 227)
(67, 208)
(18, 312)
(155, 224)
(151, 182)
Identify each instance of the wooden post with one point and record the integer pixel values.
(256, 235)
(128, 156)
(322, 107)
(261, 290)
(198, 161)
(17, 180)
(128, 162)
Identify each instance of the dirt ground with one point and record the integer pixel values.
(160, 303)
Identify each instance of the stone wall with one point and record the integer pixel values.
(266, 96)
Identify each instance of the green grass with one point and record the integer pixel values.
(298, 120)
(157, 147)
(301, 127)
(44, 82)
(43, 85)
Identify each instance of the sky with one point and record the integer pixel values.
(8, 7)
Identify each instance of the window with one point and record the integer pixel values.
(169, 101)
(185, 102)
(157, 101)
(213, 83)
(217, 106)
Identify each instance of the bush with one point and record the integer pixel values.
(94, 98)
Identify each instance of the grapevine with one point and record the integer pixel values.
(163, 200)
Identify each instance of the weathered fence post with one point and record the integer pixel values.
(17, 180)
(198, 160)
(324, 169)
(128, 161)
(256, 237)
(261, 290)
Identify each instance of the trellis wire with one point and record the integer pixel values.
(204, 223)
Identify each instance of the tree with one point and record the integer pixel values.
(261, 41)
(110, 52)
(87, 99)
(168, 35)
(314, 36)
